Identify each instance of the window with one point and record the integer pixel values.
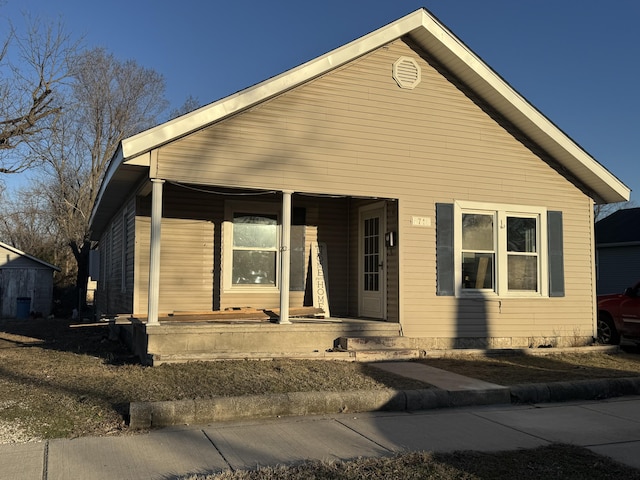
(508, 250)
(251, 246)
(255, 249)
(478, 251)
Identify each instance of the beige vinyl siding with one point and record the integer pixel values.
(186, 265)
(193, 247)
(354, 132)
(392, 267)
(116, 247)
(326, 222)
(128, 261)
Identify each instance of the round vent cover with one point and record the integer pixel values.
(406, 72)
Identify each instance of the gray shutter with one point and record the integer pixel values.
(556, 255)
(445, 268)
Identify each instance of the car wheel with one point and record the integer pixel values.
(607, 332)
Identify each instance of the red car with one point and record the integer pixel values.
(619, 316)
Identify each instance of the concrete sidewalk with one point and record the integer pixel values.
(609, 427)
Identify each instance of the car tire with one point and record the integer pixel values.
(607, 333)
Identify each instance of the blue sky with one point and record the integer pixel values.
(577, 61)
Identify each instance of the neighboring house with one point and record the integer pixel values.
(618, 251)
(444, 202)
(26, 284)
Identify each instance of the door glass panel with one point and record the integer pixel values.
(371, 254)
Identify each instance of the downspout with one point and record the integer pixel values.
(285, 256)
(154, 251)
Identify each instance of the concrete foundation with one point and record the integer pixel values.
(173, 342)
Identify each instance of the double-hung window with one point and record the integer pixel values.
(498, 249)
(251, 256)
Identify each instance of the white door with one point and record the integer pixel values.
(372, 283)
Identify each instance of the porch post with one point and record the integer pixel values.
(285, 255)
(154, 251)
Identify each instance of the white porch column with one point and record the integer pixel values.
(285, 255)
(154, 251)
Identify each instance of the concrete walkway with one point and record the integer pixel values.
(608, 427)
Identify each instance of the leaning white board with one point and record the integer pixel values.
(320, 277)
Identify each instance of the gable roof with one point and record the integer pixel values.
(26, 255)
(621, 227)
(426, 31)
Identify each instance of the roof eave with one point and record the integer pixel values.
(30, 257)
(451, 52)
(262, 91)
(461, 61)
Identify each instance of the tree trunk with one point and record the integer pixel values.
(81, 254)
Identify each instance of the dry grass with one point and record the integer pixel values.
(551, 462)
(57, 381)
(513, 370)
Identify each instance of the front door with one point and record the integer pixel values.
(372, 282)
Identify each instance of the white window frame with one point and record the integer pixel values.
(500, 213)
(231, 208)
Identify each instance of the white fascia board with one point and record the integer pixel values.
(143, 160)
(448, 49)
(114, 164)
(216, 111)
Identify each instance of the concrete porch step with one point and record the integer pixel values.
(362, 343)
(156, 359)
(386, 355)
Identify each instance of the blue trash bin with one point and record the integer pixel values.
(24, 307)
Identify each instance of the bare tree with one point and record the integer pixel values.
(109, 100)
(32, 67)
(189, 105)
(26, 225)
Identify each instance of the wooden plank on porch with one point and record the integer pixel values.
(244, 314)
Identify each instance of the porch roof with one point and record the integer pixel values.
(132, 159)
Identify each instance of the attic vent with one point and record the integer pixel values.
(406, 72)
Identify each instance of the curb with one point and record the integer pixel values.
(576, 390)
(146, 415)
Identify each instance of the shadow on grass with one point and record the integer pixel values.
(68, 336)
(522, 369)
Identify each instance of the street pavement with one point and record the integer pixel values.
(607, 427)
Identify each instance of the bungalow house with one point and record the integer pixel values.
(397, 186)
(618, 251)
(26, 284)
